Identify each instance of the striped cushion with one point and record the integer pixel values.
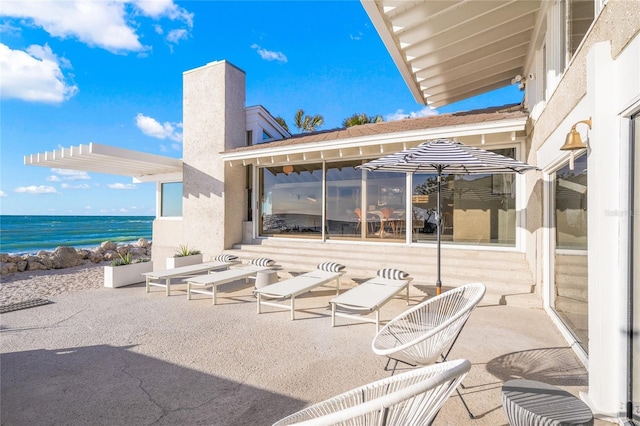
(330, 267)
(392, 274)
(262, 261)
(225, 258)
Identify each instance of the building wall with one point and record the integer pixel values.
(214, 195)
(602, 82)
(166, 233)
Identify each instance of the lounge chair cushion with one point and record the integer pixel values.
(392, 274)
(330, 267)
(225, 258)
(262, 261)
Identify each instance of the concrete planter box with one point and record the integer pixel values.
(118, 276)
(176, 262)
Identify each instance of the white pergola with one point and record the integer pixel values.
(142, 167)
(451, 50)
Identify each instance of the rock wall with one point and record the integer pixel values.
(67, 257)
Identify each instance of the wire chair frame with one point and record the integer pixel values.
(414, 397)
(426, 333)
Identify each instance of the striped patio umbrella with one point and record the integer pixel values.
(444, 155)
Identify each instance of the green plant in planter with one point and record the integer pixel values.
(127, 259)
(185, 251)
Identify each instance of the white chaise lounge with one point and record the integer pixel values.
(207, 284)
(163, 278)
(293, 287)
(370, 296)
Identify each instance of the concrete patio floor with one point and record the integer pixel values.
(125, 357)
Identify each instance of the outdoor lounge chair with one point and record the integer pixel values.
(411, 398)
(207, 284)
(164, 277)
(293, 287)
(370, 296)
(426, 333)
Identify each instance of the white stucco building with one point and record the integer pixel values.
(566, 236)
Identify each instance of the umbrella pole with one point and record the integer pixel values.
(439, 210)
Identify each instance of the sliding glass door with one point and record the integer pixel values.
(570, 280)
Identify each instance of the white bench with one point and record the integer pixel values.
(201, 284)
(166, 275)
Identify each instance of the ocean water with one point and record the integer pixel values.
(30, 234)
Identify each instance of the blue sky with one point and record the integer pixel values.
(74, 72)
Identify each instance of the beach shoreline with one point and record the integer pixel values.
(64, 257)
(42, 284)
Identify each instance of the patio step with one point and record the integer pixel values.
(505, 273)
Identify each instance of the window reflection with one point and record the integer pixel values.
(291, 201)
(344, 199)
(171, 199)
(476, 209)
(570, 269)
(385, 203)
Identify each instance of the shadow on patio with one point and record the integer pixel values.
(111, 385)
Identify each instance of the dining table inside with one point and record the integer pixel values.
(394, 220)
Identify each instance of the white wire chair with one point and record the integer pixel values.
(411, 398)
(426, 333)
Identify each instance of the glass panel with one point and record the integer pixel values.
(385, 200)
(344, 197)
(571, 296)
(582, 13)
(171, 199)
(291, 201)
(476, 209)
(635, 302)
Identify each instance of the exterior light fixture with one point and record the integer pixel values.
(574, 141)
(288, 169)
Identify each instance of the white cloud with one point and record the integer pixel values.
(87, 207)
(175, 36)
(96, 23)
(123, 210)
(151, 127)
(34, 75)
(3, 194)
(164, 8)
(108, 24)
(401, 115)
(121, 186)
(36, 189)
(53, 178)
(356, 36)
(80, 186)
(269, 55)
(69, 175)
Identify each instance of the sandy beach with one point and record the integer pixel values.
(23, 286)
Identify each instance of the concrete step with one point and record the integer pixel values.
(505, 273)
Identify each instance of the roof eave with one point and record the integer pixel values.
(377, 18)
(366, 145)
